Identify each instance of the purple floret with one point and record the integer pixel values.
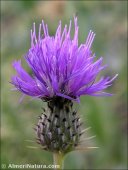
(60, 66)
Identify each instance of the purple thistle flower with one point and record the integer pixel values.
(60, 66)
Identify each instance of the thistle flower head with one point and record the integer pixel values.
(62, 72)
(60, 66)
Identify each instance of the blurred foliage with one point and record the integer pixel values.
(106, 116)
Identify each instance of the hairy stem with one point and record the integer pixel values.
(58, 160)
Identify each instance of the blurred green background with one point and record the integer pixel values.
(107, 116)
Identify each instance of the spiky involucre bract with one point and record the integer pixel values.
(59, 129)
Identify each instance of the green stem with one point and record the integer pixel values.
(58, 160)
